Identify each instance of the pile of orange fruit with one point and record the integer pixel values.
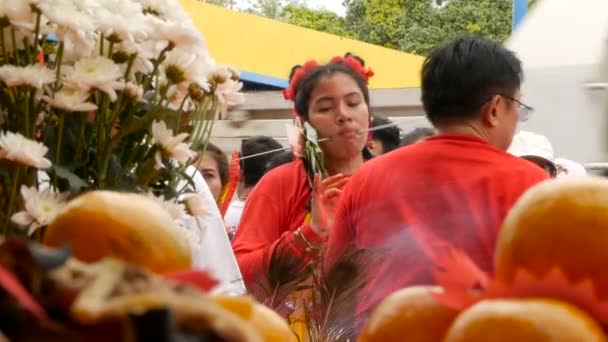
(557, 226)
(139, 231)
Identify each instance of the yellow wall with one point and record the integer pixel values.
(268, 47)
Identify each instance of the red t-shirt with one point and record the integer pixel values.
(276, 207)
(447, 189)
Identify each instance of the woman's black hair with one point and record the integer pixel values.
(310, 80)
(222, 161)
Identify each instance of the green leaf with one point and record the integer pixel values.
(135, 123)
(76, 184)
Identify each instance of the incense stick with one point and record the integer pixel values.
(320, 140)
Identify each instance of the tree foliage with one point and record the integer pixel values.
(414, 26)
(224, 3)
(320, 20)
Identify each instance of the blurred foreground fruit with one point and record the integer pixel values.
(127, 226)
(410, 314)
(558, 224)
(534, 320)
(268, 323)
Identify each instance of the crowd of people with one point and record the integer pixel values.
(403, 197)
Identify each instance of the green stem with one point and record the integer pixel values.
(80, 141)
(58, 59)
(28, 55)
(110, 49)
(37, 31)
(16, 51)
(11, 202)
(101, 41)
(130, 63)
(59, 139)
(26, 114)
(3, 44)
(180, 112)
(156, 64)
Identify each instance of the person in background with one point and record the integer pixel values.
(451, 190)
(569, 168)
(535, 148)
(416, 135)
(214, 167)
(384, 139)
(252, 169)
(279, 159)
(330, 101)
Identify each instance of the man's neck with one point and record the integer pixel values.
(244, 191)
(464, 129)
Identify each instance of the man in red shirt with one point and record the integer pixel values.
(454, 188)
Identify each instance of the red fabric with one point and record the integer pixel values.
(276, 207)
(408, 204)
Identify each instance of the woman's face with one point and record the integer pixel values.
(337, 110)
(209, 168)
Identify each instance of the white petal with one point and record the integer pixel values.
(22, 218)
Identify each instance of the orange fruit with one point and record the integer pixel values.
(268, 323)
(130, 227)
(410, 314)
(559, 223)
(242, 306)
(271, 325)
(537, 320)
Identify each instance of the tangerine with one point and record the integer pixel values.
(409, 314)
(127, 226)
(271, 326)
(538, 320)
(561, 224)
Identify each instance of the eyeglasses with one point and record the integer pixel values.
(525, 111)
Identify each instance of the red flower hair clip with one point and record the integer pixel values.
(290, 92)
(355, 64)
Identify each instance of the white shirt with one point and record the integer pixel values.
(215, 253)
(233, 214)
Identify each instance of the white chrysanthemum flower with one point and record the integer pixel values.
(40, 208)
(196, 205)
(145, 52)
(122, 19)
(168, 10)
(183, 34)
(174, 208)
(229, 94)
(71, 99)
(15, 147)
(18, 13)
(72, 52)
(34, 76)
(172, 146)
(95, 73)
(193, 236)
(134, 91)
(74, 20)
(180, 66)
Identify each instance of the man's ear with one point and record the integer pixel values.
(490, 112)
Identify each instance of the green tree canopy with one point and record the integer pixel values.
(414, 26)
(320, 20)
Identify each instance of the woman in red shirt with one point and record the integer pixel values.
(331, 103)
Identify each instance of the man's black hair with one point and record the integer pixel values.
(279, 159)
(389, 136)
(460, 77)
(254, 168)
